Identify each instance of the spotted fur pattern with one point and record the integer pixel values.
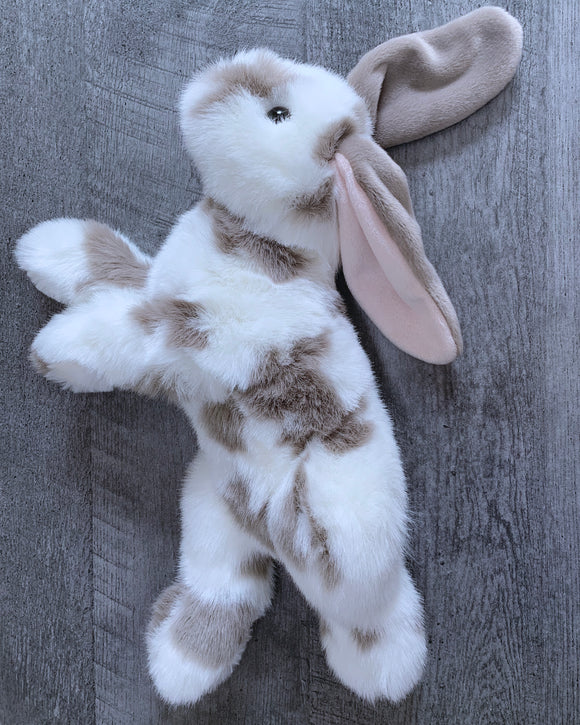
(237, 319)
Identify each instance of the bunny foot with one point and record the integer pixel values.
(179, 679)
(194, 644)
(53, 354)
(384, 661)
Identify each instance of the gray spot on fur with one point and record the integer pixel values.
(365, 639)
(257, 566)
(224, 422)
(291, 384)
(181, 317)
(110, 259)
(212, 632)
(319, 538)
(318, 205)
(295, 506)
(291, 389)
(259, 79)
(329, 567)
(329, 142)
(237, 497)
(164, 604)
(279, 262)
(157, 383)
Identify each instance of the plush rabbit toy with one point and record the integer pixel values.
(238, 320)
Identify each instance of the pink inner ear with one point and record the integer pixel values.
(381, 279)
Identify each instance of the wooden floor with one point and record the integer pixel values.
(89, 527)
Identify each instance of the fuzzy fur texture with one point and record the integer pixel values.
(238, 320)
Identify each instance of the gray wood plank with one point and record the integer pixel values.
(88, 516)
(46, 663)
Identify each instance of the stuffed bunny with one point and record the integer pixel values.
(238, 320)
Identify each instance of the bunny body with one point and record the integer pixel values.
(297, 456)
(238, 321)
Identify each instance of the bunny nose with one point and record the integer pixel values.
(331, 139)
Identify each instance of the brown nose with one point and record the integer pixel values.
(330, 140)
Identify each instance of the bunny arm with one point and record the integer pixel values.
(65, 258)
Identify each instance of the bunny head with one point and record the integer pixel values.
(263, 130)
(279, 142)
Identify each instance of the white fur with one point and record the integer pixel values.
(53, 257)
(390, 668)
(257, 169)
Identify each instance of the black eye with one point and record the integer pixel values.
(278, 113)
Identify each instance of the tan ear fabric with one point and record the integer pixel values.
(418, 84)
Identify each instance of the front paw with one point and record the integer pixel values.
(53, 256)
(70, 374)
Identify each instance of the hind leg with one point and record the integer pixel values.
(201, 624)
(371, 628)
(65, 257)
(340, 530)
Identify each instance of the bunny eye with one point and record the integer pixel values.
(278, 114)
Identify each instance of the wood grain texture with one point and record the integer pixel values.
(89, 524)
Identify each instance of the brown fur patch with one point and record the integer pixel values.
(319, 205)
(259, 79)
(287, 523)
(329, 567)
(110, 259)
(295, 506)
(237, 498)
(156, 384)
(328, 143)
(224, 422)
(319, 539)
(40, 365)
(365, 639)
(352, 432)
(164, 604)
(291, 389)
(181, 317)
(257, 566)
(279, 262)
(212, 632)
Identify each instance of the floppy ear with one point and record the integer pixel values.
(382, 254)
(421, 83)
